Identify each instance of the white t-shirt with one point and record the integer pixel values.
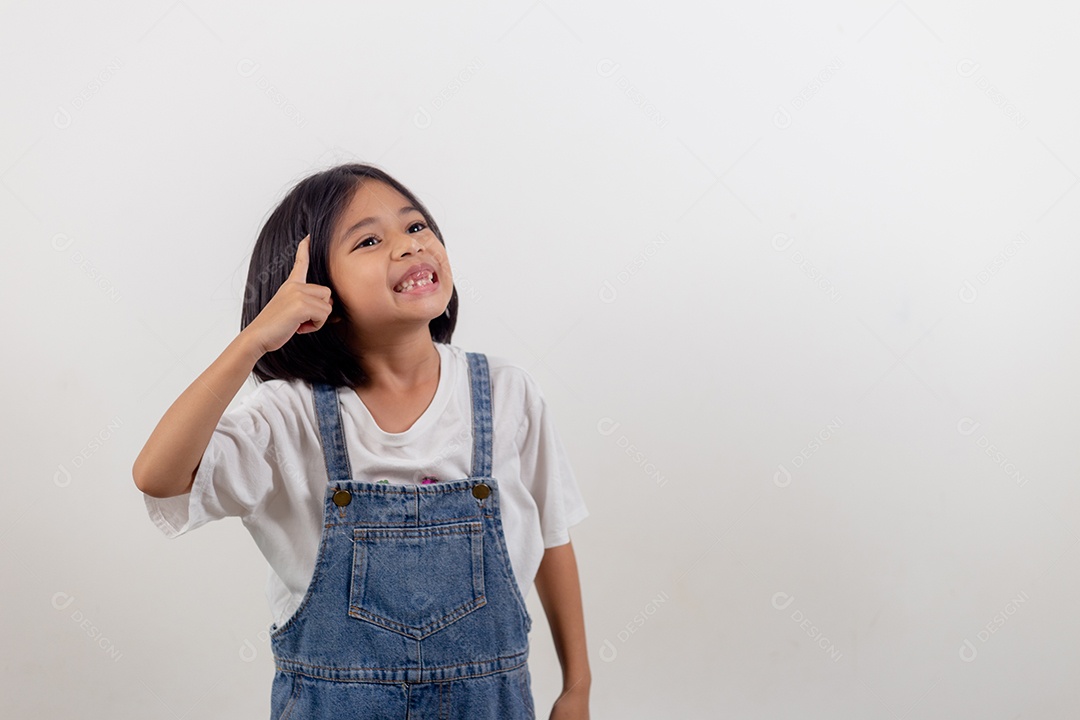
(265, 465)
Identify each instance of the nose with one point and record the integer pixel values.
(410, 244)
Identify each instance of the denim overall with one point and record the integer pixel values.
(413, 610)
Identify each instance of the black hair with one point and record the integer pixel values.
(314, 206)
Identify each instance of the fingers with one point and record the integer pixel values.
(300, 265)
(318, 311)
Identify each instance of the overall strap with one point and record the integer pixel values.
(328, 413)
(480, 388)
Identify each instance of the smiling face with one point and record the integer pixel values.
(380, 240)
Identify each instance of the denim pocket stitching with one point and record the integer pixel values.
(361, 581)
(293, 695)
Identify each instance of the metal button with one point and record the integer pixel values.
(481, 491)
(342, 498)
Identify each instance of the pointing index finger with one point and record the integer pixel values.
(300, 265)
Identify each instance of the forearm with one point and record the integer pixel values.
(170, 458)
(559, 589)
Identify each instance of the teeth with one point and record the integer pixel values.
(425, 279)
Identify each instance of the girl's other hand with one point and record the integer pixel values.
(297, 307)
(573, 704)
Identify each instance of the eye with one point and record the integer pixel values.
(363, 243)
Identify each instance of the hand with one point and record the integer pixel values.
(297, 307)
(573, 704)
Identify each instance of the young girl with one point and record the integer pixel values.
(405, 493)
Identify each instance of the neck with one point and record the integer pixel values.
(401, 365)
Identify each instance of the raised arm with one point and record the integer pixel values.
(169, 461)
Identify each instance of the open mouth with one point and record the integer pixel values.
(417, 282)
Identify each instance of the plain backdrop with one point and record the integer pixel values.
(798, 281)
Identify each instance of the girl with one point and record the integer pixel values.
(405, 493)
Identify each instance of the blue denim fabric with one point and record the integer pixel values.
(413, 610)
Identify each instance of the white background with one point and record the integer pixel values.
(798, 281)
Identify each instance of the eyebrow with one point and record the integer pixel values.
(368, 221)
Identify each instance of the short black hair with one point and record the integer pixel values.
(314, 206)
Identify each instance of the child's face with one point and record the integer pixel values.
(367, 262)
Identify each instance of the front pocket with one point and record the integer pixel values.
(417, 580)
(283, 694)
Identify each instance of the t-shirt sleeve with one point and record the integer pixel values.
(547, 473)
(235, 476)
